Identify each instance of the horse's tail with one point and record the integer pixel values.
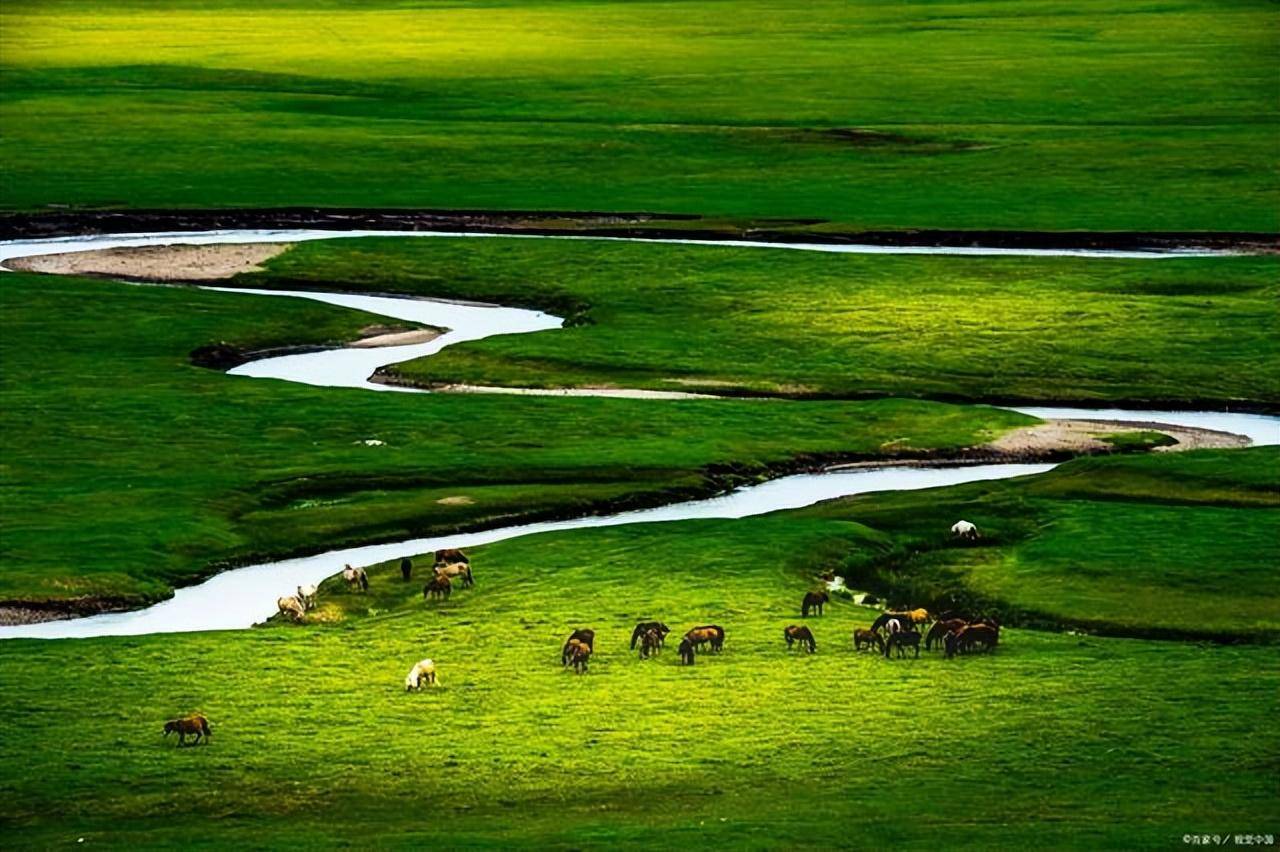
(364, 581)
(204, 726)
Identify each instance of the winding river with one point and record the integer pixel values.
(241, 597)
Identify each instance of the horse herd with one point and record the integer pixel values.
(450, 564)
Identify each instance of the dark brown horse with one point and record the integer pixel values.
(686, 652)
(439, 587)
(644, 627)
(193, 725)
(971, 636)
(406, 569)
(862, 636)
(902, 640)
(813, 600)
(709, 634)
(451, 556)
(797, 633)
(583, 636)
(939, 629)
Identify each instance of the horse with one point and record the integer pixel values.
(686, 652)
(965, 530)
(579, 653)
(803, 635)
(307, 594)
(451, 556)
(813, 600)
(423, 671)
(708, 634)
(406, 569)
(355, 577)
(919, 616)
(456, 569)
(438, 587)
(903, 618)
(650, 643)
(584, 636)
(939, 630)
(195, 724)
(863, 636)
(291, 607)
(977, 634)
(645, 626)
(902, 640)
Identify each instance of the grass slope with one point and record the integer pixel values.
(126, 470)
(778, 321)
(1059, 740)
(1034, 114)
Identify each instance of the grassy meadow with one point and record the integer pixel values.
(1174, 332)
(1056, 739)
(128, 470)
(1030, 115)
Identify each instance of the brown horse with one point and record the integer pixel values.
(645, 626)
(650, 643)
(902, 640)
(195, 724)
(451, 556)
(406, 569)
(938, 631)
(862, 636)
(582, 636)
(813, 600)
(709, 634)
(974, 635)
(357, 578)
(579, 653)
(439, 587)
(803, 635)
(686, 652)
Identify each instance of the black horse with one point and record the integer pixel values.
(686, 652)
(813, 600)
(406, 569)
(902, 640)
(644, 627)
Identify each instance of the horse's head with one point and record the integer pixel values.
(170, 727)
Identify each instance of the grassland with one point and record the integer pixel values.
(1028, 115)
(127, 470)
(1064, 741)
(796, 323)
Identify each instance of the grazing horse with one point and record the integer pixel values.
(708, 634)
(902, 640)
(803, 635)
(977, 634)
(965, 530)
(307, 594)
(438, 587)
(939, 630)
(863, 636)
(579, 653)
(904, 619)
(291, 607)
(456, 569)
(355, 577)
(650, 643)
(919, 617)
(644, 627)
(813, 600)
(451, 556)
(686, 652)
(195, 725)
(422, 674)
(583, 636)
(406, 569)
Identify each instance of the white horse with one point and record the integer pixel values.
(307, 594)
(460, 570)
(291, 607)
(355, 577)
(423, 670)
(964, 529)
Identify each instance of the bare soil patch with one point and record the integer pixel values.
(157, 263)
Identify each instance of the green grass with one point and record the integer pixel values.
(1059, 740)
(1179, 545)
(775, 321)
(127, 470)
(1033, 114)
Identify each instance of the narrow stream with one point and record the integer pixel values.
(241, 597)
